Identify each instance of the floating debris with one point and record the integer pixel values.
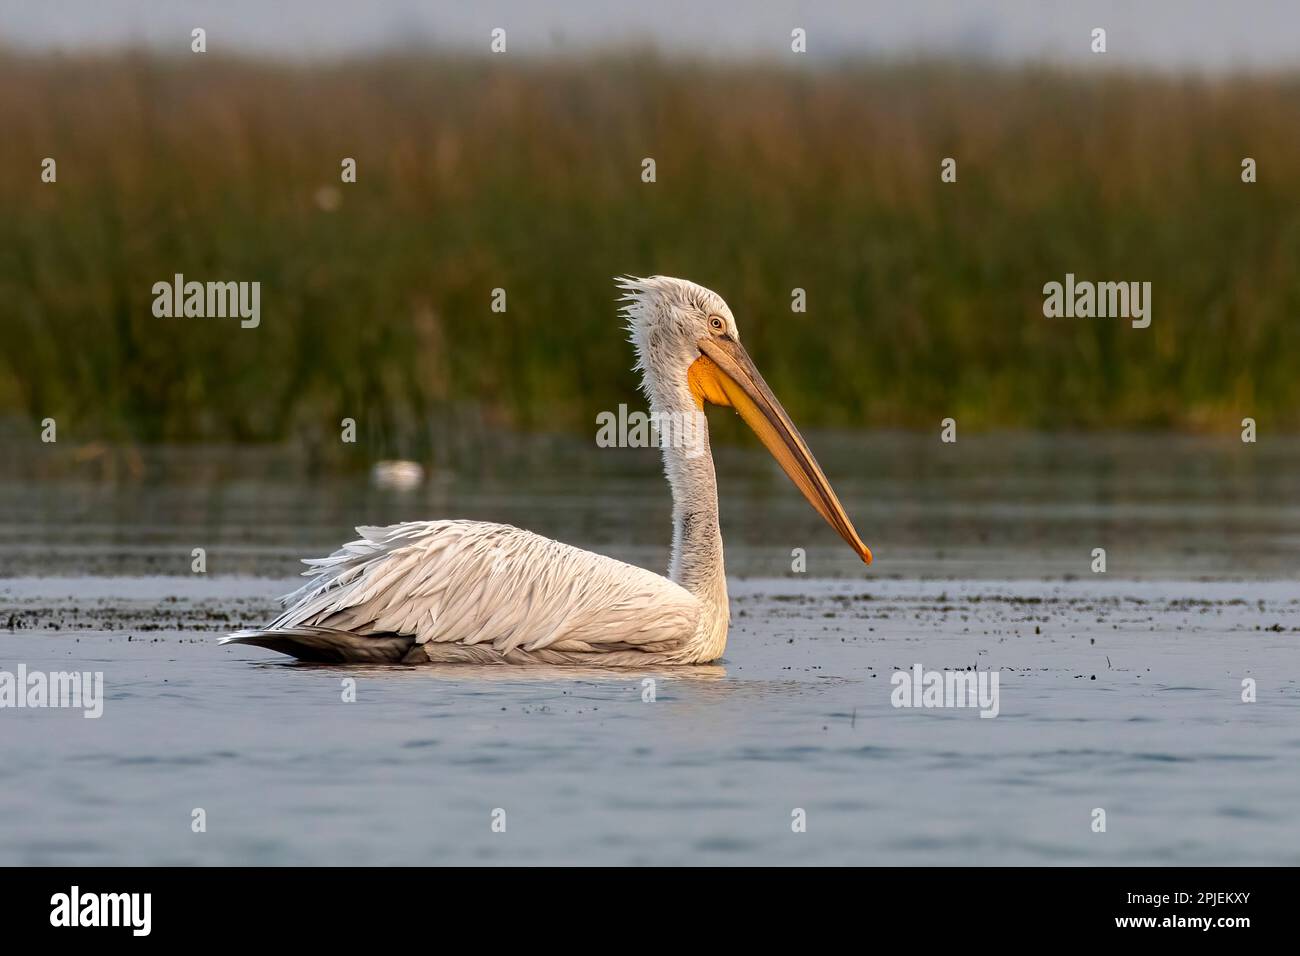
(398, 475)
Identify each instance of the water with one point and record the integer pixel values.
(1121, 692)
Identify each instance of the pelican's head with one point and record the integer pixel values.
(687, 342)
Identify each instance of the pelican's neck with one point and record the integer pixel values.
(697, 538)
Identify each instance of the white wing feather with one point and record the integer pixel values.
(475, 583)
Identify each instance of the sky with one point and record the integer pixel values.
(1204, 35)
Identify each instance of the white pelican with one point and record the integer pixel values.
(476, 592)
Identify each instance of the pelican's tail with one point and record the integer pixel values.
(326, 645)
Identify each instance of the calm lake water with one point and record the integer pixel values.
(1120, 691)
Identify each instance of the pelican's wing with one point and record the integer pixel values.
(477, 583)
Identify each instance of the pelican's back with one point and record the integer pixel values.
(479, 592)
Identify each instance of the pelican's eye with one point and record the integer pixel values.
(717, 324)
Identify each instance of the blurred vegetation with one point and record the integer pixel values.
(924, 299)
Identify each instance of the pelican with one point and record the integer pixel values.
(433, 592)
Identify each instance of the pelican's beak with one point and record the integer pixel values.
(724, 374)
